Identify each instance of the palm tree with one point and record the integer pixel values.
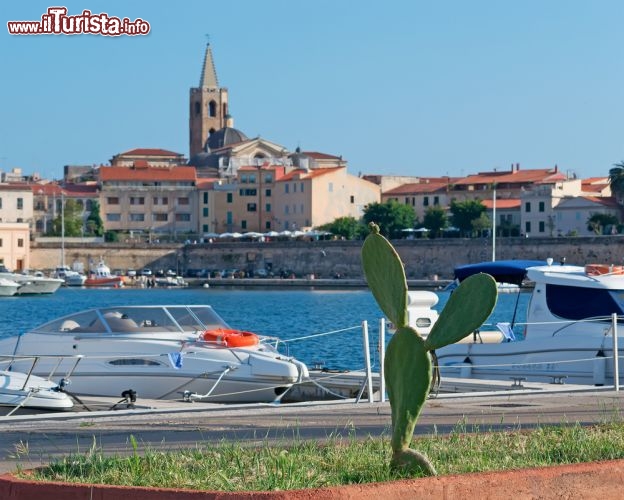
(616, 181)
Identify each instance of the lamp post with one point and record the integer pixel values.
(62, 228)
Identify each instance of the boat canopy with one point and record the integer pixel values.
(503, 271)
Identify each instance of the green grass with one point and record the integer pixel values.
(350, 460)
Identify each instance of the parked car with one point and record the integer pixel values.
(131, 273)
(146, 272)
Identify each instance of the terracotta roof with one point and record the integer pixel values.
(320, 156)
(502, 204)
(80, 190)
(536, 176)
(609, 202)
(418, 188)
(147, 174)
(149, 152)
(309, 174)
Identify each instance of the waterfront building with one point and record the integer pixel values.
(154, 200)
(426, 192)
(15, 245)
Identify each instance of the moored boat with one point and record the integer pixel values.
(8, 288)
(160, 352)
(102, 276)
(69, 276)
(31, 284)
(567, 335)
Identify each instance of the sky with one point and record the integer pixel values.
(399, 87)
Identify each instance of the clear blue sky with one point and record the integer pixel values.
(395, 87)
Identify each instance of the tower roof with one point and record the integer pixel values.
(209, 73)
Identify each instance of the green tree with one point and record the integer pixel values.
(70, 217)
(347, 227)
(435, 220)
(616, 181)
(464, 212)
(94, 223)
(391, 217)
(598, 223)
(481, 224)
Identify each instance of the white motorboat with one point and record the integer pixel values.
(8, 288)
(568, 334)
(160, 352)
(29, 391)
(69, 276)
(31, 284)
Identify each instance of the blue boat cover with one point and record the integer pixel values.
(503, 271)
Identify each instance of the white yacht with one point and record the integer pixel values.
(568, 333)
(8, 288)
(160, 352)
(69, 276)
(31, 284)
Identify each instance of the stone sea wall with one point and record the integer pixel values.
(423, 258)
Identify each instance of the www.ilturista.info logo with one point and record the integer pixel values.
(57, 22)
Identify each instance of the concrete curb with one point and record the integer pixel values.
(603, 480)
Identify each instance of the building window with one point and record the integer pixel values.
(205, 197)
(252, 178)
(251, 207)
(20, 203)
(243, 179)
(183, 201)
(137, 217)
(113, 217)
(205, 228)
(527, 227)
(267, 225)
(267, 192)
(248, 192)
(212, 108)
(112, 200)
(527, 207)
(426, 201)
(541, 206)
(542, 226)
(229, 197)
(331, 187)
(286, 188)
(138, 200)
(182, 217)
(352, 199)
(20, 242)
(205, 212)
(160, 217)
(268, 178)
(436, 200)
(286, 209)
(294, 187)
(301, 187)
(0, 202)
(229, 218)
(0, 242)
(165, 200)
(267, 207)
(243, 224)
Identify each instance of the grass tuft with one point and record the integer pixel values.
(349, 460)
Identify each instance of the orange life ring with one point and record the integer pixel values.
(231, 338)
(598, 269)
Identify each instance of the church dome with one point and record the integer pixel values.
(224, 137)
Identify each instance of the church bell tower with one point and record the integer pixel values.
(208, 106)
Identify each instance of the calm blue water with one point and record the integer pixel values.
(287, 314)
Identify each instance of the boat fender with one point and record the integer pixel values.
(600, 368)
(231, 338)
(466, 368)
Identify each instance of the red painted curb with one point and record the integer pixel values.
(603, 480)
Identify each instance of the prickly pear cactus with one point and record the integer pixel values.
(408, 361)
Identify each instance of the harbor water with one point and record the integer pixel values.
(286, 314)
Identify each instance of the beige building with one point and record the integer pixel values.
(149, 199)
(309, 198)
(16, 202)
(427, 192)
(15, 246)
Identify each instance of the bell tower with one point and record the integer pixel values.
(208, 106)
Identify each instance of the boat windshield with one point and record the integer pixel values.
(576, 303)
(137, 319)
